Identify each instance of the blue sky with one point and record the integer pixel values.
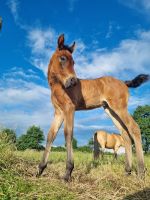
(112, 37)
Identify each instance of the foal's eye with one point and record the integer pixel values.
(62, 59)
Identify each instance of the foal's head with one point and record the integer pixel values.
(62, 64)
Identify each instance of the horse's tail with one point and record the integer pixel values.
(138, 80)
(96, 147)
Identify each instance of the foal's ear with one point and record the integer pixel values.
(72, 47)
(61, 41)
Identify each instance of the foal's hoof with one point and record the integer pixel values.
(141, 174)
(40, 169)
(66, 178)
(128, 173)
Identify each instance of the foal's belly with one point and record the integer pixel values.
(88, 105)
(110, 142)
(109, 146)
(89, 96)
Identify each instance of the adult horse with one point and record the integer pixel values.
(106, 140)
(68, 94)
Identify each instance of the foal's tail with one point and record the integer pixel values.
(138, 80)
(96, 147)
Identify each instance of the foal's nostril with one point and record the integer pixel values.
(70, 82)
(73, 81)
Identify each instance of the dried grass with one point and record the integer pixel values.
(102, 180)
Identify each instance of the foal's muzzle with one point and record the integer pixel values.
(70, 82)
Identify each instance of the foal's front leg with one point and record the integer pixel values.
(68, 131)
(56, 124)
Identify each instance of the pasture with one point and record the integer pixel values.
(100, 180)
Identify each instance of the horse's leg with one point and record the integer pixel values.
(102, 150)
(56, 124)
(115, 155)
(68, 131)
(126, 138)
(96, 147)
(115, 151)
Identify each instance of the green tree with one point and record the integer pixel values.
(90, 142)
(11, 135)
(142, 117)
(31, 140)
(74, 143)
(22, 142)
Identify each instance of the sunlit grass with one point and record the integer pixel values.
(102, 179)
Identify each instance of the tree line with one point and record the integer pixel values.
(32, 139)
(34, 136)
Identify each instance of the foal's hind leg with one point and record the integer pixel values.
(127, 141)
(134, 132)
(128, 152)
(58, 119)
(136, 135)
(129, 129)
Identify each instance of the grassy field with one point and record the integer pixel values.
(103, 180)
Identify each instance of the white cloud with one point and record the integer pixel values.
(71, 4)
(92, 117)
(40, 39)
(18, 72)
(41, 43)
(109, 33)
(97, 127)
(24, 103)
(135, 101)
(14, 5)
(112, 27)
(142, 6)
(131, 57)
(29, 93)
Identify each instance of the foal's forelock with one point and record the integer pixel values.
(66, 47)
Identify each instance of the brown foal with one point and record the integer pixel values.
(107, 140)
(68, 94)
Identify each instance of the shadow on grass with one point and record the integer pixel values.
(141, 195)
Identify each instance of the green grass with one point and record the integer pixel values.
(103, 180)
